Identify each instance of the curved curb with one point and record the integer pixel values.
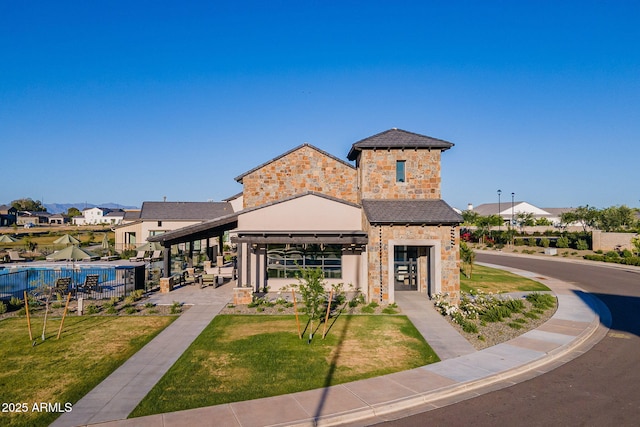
(422, 402)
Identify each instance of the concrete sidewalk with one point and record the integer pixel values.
(573, 329)
(119, 394)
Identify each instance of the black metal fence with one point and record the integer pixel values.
(82, 281)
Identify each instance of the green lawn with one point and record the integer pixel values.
(493, 280)
(62, 371)
(248, 357)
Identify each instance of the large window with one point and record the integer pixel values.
(285, 261)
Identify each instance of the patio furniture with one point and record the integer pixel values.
(191, 278)
(15, 257)
(90, 284)
(155, 256)
(208, 279)
(61, 286)
(138, 257)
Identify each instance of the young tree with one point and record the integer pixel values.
(524, 219)
(312, 289)
(467, 256)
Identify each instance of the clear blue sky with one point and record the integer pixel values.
(129, 101)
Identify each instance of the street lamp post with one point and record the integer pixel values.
(499, 212)
(512, 223)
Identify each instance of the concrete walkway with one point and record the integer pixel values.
(119, 394)
(573, 329)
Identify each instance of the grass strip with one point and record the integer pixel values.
(493, 280)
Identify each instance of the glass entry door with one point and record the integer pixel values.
(405, 268)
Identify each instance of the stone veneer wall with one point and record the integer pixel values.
(305, 169)
(449, 254)
(377, 174)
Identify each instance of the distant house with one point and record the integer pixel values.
(91, 216)
(32, 219)
(156, 218)
(58, 219)
(509, 211)
(8, 215)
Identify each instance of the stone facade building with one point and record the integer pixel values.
(379, 226)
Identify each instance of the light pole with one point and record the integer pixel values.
(499, 212)
(512, 223)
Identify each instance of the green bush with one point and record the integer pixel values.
(562, 242)
(15, 302)
(532, 241)
(3, 307)
(582, 245)
(541, 301)
(627, 254)
(92, 309)
(544, 242)
(176, 308)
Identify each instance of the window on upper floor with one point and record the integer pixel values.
(400, 171)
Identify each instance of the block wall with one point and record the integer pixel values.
(305, 169)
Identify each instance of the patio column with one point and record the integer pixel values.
(166, 261)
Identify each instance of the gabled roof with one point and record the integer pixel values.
(239, 178)
(184, 211)
(396, 139)
(428, 212)
(297, 196)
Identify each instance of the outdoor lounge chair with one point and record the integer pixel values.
(190, 278)
(15, 257)
(61, 286)
(138, 257)
(155, 256)
(208, 279)
(90, 284)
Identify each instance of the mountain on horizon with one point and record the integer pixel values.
(54, 208)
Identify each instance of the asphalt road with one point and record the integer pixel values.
(599, 388)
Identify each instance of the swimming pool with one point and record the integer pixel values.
(114, 280)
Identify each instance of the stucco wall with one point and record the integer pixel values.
(308, 212)
(302, 170)
(377, 174)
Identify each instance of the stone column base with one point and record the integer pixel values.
(242, 296)
(166, 285)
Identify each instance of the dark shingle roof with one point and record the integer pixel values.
(410, 212)
(397, 138)
(184, 211)
(239, 177)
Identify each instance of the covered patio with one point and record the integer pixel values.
(210, 232)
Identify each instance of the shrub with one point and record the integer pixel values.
(15, 302)
(176, 308)
(627, 253)
(544, 242)
(3, 307)
(111, 310)
(514, 325)
(541, 301)
(92, 309)
(130, 310)
(582, 245)
(562, 242)
(532, 241)
(151, 305)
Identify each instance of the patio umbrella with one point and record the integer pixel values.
(105, 242)
(71, 253)
(150, 247)
(66, 240)
(5, 238)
